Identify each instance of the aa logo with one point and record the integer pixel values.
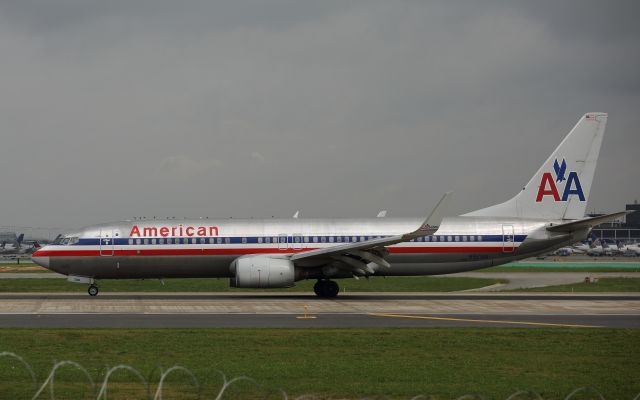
(549, 185)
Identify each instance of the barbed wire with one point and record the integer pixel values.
(100, 390)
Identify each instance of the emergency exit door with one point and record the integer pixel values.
(508, 239)
(107, 242)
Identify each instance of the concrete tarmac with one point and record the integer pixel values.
(187, 310)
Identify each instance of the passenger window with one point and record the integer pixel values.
(419, 239)
(219, 240)
(457, 238)
(339, 239)
(362, 238)
(260, 240)
(146, 241)
(449, 239)
(227, 240)
(315, 239)
(354, 239)
(479, 238)
(472, 238)
(201, 240)
(306, 239)
(331, 239)
(153, 241)
(194, 241)
(130, 241)
(323, 239)
(244, 240)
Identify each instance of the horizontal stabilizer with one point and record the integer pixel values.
(586, 223)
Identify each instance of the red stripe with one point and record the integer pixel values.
(243, 251)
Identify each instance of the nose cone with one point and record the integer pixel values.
(40, 258)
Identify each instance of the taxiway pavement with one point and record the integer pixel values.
(189, 310)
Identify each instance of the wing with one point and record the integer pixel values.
(363, 258)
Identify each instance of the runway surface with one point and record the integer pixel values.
(244, 310)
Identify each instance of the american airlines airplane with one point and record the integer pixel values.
(546, 214)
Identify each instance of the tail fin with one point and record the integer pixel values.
(19, 240)
(560, 189)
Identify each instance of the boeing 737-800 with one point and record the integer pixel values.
(546, 214)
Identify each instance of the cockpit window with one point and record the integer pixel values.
(66, 240)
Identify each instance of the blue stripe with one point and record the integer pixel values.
(254, 239)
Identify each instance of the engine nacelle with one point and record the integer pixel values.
(262, 272)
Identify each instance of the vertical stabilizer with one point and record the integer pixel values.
(560, 189)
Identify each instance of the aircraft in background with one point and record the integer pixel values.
(546, 214)
(10, 243)
(629, 249)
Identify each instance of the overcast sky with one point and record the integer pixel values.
(115, 109)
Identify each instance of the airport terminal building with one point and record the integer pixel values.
(626, 231)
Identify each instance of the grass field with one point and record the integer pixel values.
(336, 363)
(524, 268)
(602, 285)
(376, 284)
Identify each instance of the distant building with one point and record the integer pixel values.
(627, 231)
(633, 219)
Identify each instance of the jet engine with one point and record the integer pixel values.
(262, 272)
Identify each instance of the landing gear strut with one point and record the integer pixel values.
(326, 288)
(93, 290)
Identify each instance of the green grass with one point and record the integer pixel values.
(515, 268)
(376, 284)
(338, 363)
(602, 285)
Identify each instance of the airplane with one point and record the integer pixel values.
(11, 244)
(630, 249)
(547, 213)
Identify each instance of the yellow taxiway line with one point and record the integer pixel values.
(483, 320)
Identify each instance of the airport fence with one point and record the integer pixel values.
(157, 386)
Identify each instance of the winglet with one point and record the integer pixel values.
(430, 225)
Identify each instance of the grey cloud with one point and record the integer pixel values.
(116, 109)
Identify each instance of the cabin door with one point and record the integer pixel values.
(508, 239)
(107, 242)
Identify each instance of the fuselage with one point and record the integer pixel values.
(207, 247)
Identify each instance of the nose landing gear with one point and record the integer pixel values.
(93, 290)
(326, 288)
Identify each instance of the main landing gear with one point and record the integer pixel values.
(326, 288)
(93, 290)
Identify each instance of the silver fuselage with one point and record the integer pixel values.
(207, 247)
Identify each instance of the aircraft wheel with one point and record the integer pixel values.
(326, 288)
(317, 288)
(331, 289)
(93, 290)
